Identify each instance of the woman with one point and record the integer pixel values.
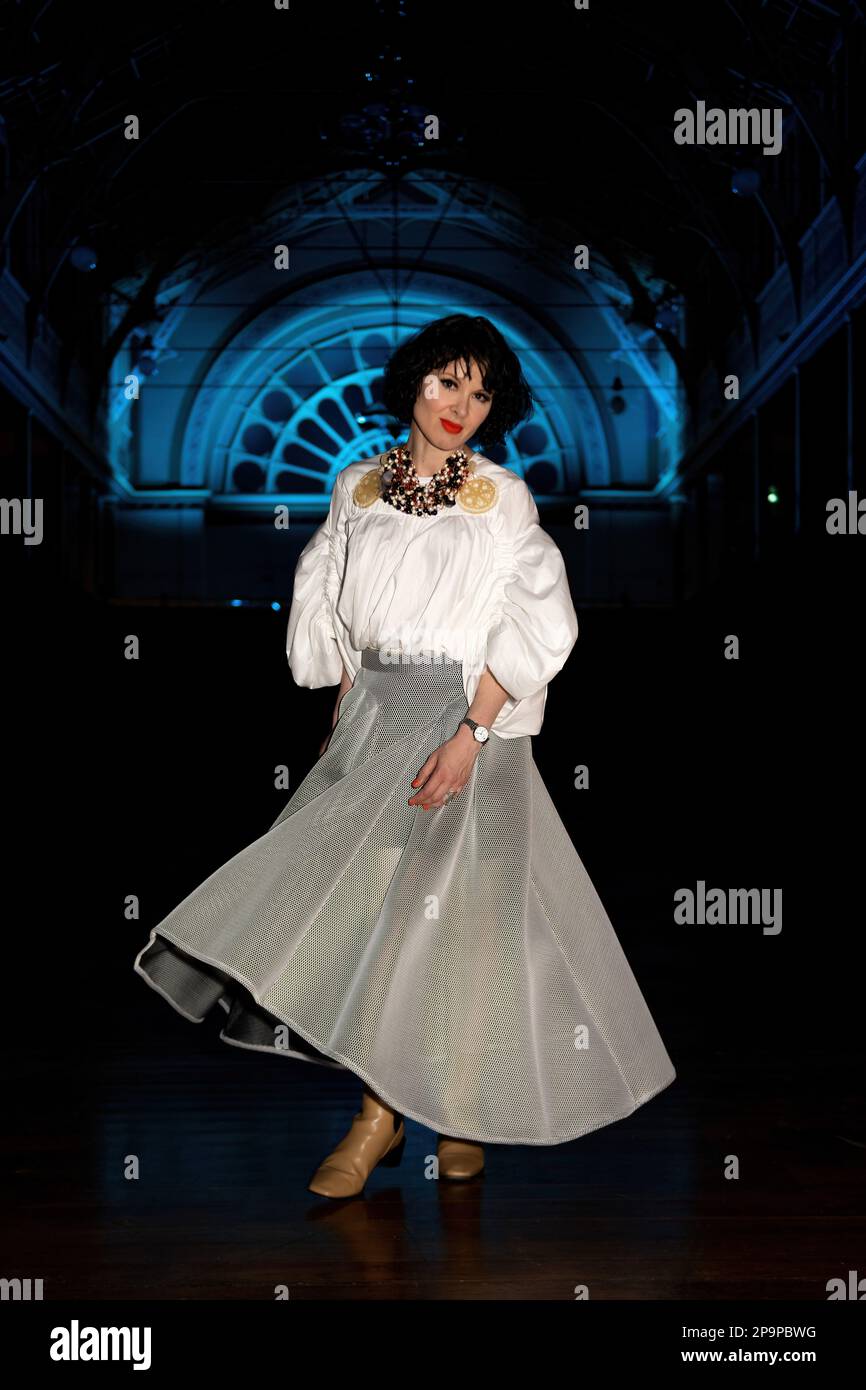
(417, 913)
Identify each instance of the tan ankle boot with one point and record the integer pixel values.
(377, 1136)
(459, 1159)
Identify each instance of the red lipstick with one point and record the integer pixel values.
(451, 427)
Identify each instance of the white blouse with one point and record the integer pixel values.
(484, 588)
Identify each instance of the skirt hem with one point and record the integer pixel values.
(341, 1062)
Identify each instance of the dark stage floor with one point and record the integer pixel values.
(227, 1141)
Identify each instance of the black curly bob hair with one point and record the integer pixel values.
(459, 338)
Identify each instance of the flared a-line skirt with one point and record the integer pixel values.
(458, 960)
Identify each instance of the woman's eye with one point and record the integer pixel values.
(449, 381)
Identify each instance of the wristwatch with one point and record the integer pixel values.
(479, 731)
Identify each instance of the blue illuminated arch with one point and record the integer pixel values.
(263, 385)
(284, 419)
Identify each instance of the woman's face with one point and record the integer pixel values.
(449, 397)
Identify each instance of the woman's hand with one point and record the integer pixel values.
(448, 769)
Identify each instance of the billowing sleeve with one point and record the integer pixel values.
(312, 642)
(535, 625)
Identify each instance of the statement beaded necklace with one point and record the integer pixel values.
(403, 489)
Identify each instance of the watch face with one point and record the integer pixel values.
(481, 734)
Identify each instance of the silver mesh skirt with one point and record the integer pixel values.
(458, 960)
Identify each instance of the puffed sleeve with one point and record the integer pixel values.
(312, 642)
(535, 624)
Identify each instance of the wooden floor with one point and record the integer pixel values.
(226, 1141)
